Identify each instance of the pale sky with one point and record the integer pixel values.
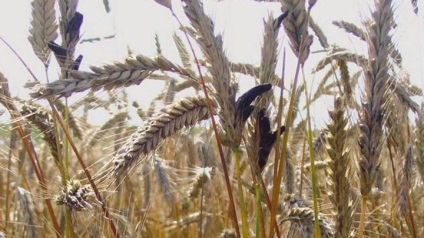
(135, 22)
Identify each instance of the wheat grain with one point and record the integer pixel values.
(172, 118)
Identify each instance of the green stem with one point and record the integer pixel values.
(244, 225)
(258, 209)
(315, 190)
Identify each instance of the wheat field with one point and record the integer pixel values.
(217, 162)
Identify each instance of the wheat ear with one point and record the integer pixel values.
(43, 28)
(43, 120)
(132, 71)
(218, 67)
(296, 27)
(371, 117)
(172, 118)
(29, 217)
(340, 173)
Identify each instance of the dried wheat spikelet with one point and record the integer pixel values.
(133, 71)
(219, 69)
(43, 28)
(202, 176)
(296, 27)
(376, 81)
(339, 54)
(302, 219)
(319, 33)
(247, 69)
(43, 120)
(351, 28)
(74, 196)
(183, 52)
(70, 22)
(340, 174)
(167, 122)
(165, 181)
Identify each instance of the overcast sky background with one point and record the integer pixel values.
(135, 22)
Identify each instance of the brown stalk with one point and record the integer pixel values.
(87, 173)
(215, 128)
(29, 147)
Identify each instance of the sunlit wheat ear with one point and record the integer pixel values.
(340, 174)
(74, 196)
(376, 81)
(269, 51)
(43, 120)
(167, 122)
(218, 67)
(26, 213)
(43, 28)
(131, 72)
(296, 27)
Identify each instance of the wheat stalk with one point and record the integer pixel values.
(133, 71)
(43, 28)
(172, 118)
